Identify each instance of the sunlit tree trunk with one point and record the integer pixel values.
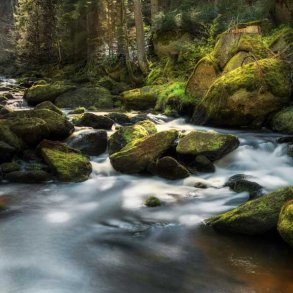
(140, 38)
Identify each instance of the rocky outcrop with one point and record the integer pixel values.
(213, 145)
(248, 95)
(257, 216)
(138, 157)
(66, 163)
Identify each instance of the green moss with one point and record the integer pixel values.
(68, 164)
(254, 217)
(79, 110)
(211, 144)
(173, 97)
(266, 75)
(46, 92)
(8, 136)
(152, 202)
(283, 121)
(285, 225)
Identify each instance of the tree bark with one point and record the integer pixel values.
(140, 39)
(154, 9)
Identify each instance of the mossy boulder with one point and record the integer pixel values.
(203, 164)
(283, 121)
(257, 216)
(90, 142)
(53, 126)
(46, 92)
(169, 168)
(113, 86)
(248, 95)
(141, 99)
(282, 43)
(79, 110)
(213, 145)
(119, 118)
(135, 158)
(68, 164)
(47, 105)
(94, 121)
(28, 177)
(9, 137)
(285, 224)
(205, 73)
(129, 134)
(238, 60)
(89, 96)
(9, 167)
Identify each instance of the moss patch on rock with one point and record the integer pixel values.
(285, 224)
(68, 164)
(283, 121)
(136, 158)
(257, 216)
(247, 95)
(46, 92)
(210, 144)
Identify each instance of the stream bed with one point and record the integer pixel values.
(98, 237)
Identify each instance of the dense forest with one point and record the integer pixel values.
(146, 146)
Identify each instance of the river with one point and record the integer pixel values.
(98, 237)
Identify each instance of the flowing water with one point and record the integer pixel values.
(97, 236)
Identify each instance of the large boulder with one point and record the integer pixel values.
(283, 121)
(129, 134)
(205, 73)
(248, 95)
(213, 145)
(238, 60)
(50, 125)
(282, 43)
(67, 163)
(94, 121)
(119, 118)
(8, 136)
(136, 158)
(90, 142)
(257, 216)
(169, 168)
(141, 99)
(46, 92)
(285, 225)
(90, 96)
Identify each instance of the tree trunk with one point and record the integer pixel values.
(140, 39)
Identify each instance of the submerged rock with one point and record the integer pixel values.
(91, 143)
(285, 224)
(239, 183)
(152, 202)
(46, 92)
(210, 144)
(67, 163)
(257, 216)
(169, 168)
(203, 164)
(29, 177)
(94, 121)
(136, 158)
